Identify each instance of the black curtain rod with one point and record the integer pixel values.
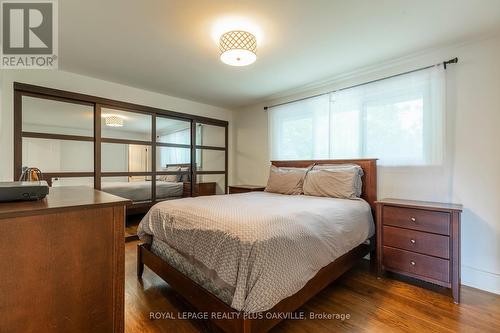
(444, 64)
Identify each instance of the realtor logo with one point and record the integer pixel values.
(29, 34)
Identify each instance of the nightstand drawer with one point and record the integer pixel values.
(417, 241)
(417, 264)
(417, 219)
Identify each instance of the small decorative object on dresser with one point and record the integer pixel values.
(421, 240)
(245, 188)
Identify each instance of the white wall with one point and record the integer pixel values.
(473, 179)
(87, 85)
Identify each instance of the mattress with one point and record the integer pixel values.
(262, 247)
(192, 270)
(141, 190)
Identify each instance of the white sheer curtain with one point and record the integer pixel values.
(173, 155)
(400, 121)
(300, 130)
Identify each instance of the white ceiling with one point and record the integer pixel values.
(166, 45)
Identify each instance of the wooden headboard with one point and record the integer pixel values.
(369, 166)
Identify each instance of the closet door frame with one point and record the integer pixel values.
(22, 89)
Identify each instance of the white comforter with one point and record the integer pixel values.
(264, 246)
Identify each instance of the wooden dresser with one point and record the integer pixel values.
(420, 240)
(63, 263)
(245, 188)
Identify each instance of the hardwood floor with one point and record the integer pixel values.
(131, 232)
(132, 222)
(374, 305)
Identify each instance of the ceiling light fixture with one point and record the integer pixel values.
(113, 121)
(238, 48)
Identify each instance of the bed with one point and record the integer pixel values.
(139, 191)
(256, 254)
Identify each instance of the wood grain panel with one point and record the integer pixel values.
(418, 264)
(60, 275)
(417, 219)
(427, 205)
(417, 241)
(199, 189)
(118, 269)
(65, 198)
(245, 188)
(63, 263)
(426, 230)
(236, 190)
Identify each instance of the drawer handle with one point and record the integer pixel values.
(413, 219)
(412, 263)
(413, 241)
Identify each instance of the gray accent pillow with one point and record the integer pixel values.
(185, 178)
(286, 180)
(171, 178)
(334, 180)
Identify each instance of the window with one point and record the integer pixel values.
(179, 155)
(398, 120)
(172, 155)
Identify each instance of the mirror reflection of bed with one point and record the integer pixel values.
(59, 138)
(173, 166)
(137, 158)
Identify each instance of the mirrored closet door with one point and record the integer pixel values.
(211, 158)
(173, 158)
(137, 152)
(126, 148)
(58, 138)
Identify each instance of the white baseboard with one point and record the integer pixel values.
(479, 279)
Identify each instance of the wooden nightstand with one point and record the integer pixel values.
(421, 240)
(245, 188)
(199, 189)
